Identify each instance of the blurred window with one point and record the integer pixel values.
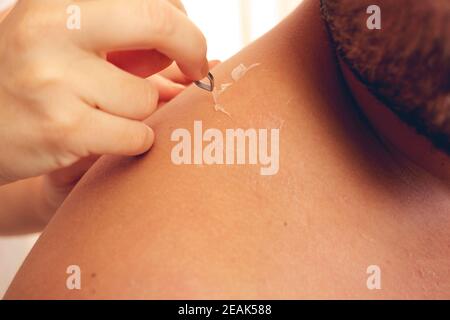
(229, 25)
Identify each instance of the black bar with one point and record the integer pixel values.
(228, 309)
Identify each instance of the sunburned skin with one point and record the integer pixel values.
(237, 74)
(339, 206)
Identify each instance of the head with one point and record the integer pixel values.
(405, 64)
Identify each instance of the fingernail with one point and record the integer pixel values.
(150, 138)
(214, 62)
(178, 87)
(205, 69)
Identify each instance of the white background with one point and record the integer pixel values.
(228, 26)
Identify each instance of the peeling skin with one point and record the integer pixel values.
(220, 108)
(225, 86)
(238, 73)
(241, 70)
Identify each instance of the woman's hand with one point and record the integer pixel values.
(171, 81)
(56, 186)
(45, 194)
(61, 101)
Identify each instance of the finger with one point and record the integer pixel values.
(214, 63)
(179, 5)
(167, 89)
(103, 133)
(113, 90)
(146, 62)
(141, 63)
(66, 177)
(174, 73)
(144, 24)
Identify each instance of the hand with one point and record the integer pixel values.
(57, 185)
(61, 101)
(171, 81)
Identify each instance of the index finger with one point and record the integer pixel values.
(179, 5)
(114, 25)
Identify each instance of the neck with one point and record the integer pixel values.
(368, 134)
(402, 141)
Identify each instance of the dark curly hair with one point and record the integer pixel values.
(406, 64)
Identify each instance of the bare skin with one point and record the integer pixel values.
(342, 201)
(35, 174)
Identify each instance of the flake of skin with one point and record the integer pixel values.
(224, 87)
(220, 108)
(241, 71)
(216, 93)
(236, 75)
